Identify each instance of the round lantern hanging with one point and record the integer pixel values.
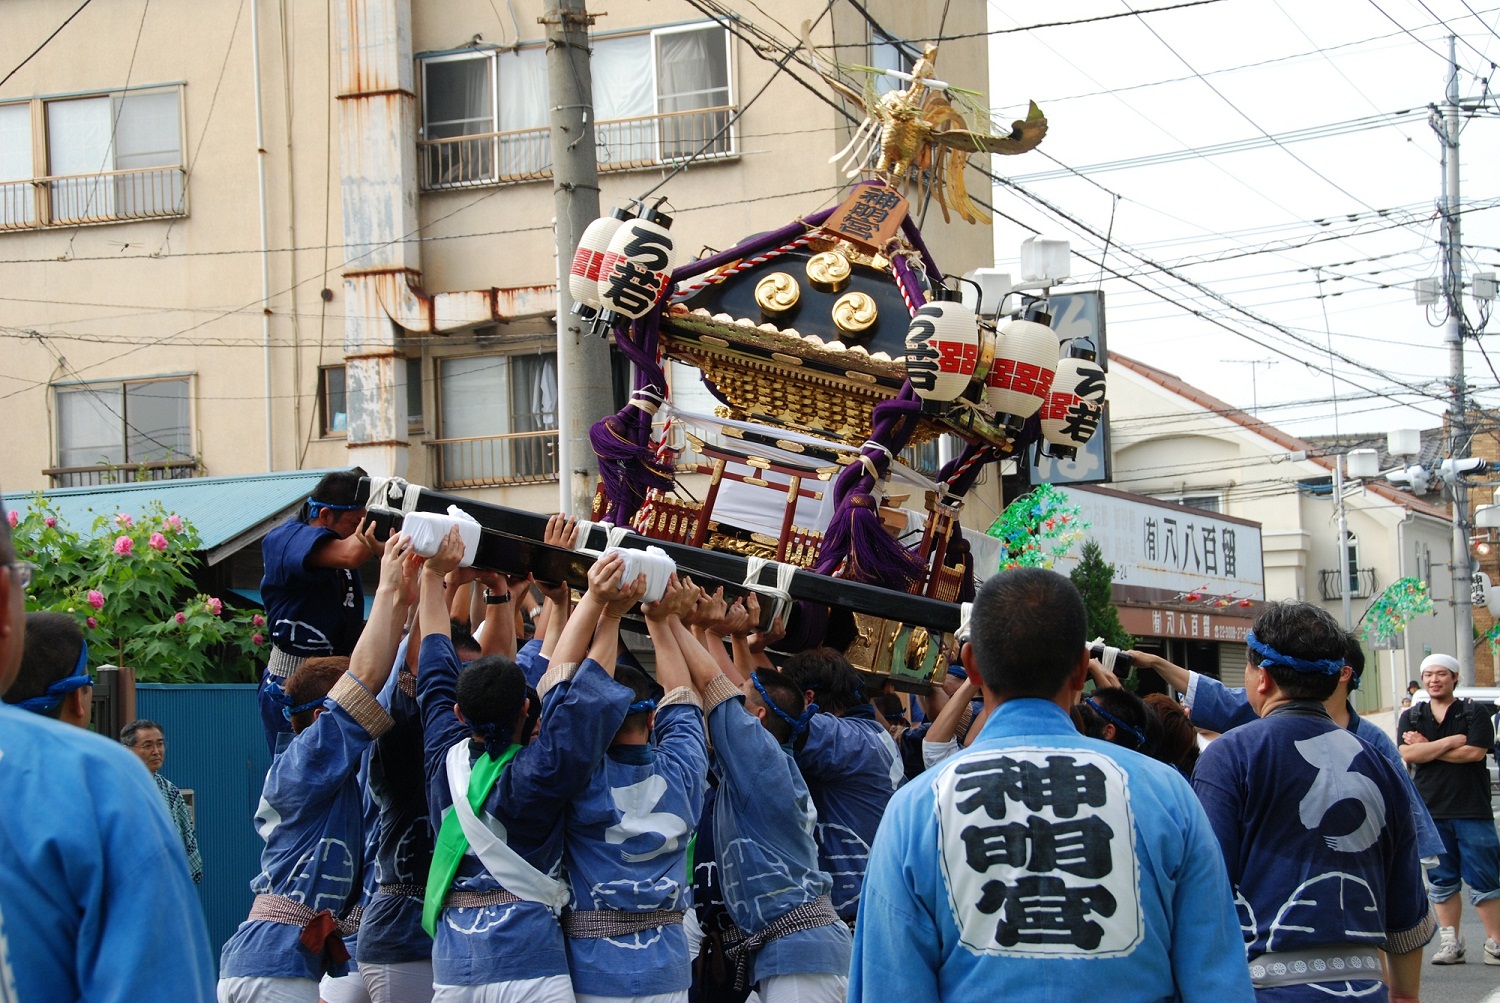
(638, 264)
(583, 275)
(942, 349)
(1021, 376)
(1074, 407)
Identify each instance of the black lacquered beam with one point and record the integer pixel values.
(728, 569)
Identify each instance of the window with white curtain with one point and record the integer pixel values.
(124, 423)
(658, 96)
(495, 413)
(105, 157)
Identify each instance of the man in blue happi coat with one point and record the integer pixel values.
(1314, 827)
(851, 766)
(311, 813)
(315, 603)
(95, 899)
(792, 945)
(1038, 864)
(1216, 707)
(626, 834)
(496, 801)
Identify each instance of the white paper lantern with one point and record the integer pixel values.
(942, 348)
(583, 275)
(637, 266)
(1075, 405)
(1021, 376)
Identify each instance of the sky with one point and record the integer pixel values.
(1270, 268)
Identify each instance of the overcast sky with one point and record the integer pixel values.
(1322, 238)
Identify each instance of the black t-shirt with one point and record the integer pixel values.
(1452, 790)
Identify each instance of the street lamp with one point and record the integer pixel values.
(1362, 465)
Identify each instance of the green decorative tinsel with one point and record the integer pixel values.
(1401, 602)
(1037, 528)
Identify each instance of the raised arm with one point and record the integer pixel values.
(375, 653)
(350, 552)
(1175, 675)
(433, 611)
(606, 646)
(945, 725)
(671, 665)
(604, 581)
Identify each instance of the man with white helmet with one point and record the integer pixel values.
(1445, 740)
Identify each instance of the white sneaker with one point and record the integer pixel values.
(1451, 948)
(1491, 951)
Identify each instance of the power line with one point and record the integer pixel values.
(45, 41)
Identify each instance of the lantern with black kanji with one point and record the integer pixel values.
(942, 348)
(1021, 376)
(1074, 407)
(583, 276)
(637, 265)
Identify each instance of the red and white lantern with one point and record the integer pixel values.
(1021, 377)
(637, 266)
(942, 349)
(1075, 405)
(583, 276)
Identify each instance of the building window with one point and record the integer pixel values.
(1352, 542)
(131, 429)
(102, 158)
(1205, 502)
(333, 399)
(886, 54)
(497, 419)
(485, 112)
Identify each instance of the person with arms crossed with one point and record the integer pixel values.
(1445, 741)
(1038, 863)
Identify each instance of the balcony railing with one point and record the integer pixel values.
(105, 197)
(1363, 581)
(128, 473)
(620, 144)
(481, 461)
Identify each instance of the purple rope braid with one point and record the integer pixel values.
(628, 466)
(906, 278)
(751, 247)
(856, 540)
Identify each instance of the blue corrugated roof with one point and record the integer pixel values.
(220, 508)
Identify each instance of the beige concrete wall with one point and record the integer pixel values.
(133, 299)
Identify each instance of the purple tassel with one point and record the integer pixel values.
(627, 468)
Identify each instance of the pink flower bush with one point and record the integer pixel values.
(257, 620)
(158, 542)
(124, 545)
(257, 640)
(181, 618)
(96, 598)
(51, 521)
(93, 624)
(124, 519)
(172, 523)
(14, 517)
(214, 606)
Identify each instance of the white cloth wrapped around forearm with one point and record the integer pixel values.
(652, 562)
(427, 530)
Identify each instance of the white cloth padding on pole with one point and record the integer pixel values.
(965, 611)
(780, 594)
(653, 562)
(427, 530)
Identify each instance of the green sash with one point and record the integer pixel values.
(452, 844)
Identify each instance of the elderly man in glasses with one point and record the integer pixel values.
(146, 740)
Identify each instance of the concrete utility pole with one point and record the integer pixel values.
(1453, 334)
(582, 365)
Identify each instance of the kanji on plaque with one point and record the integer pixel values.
(870, 217)
(1038, 852)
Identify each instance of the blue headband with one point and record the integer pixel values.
(1129, 729)
(1270, 656)
(799, 724)
(640, 705)
(496, 738)
(313, 505)
(277, 695)
(76, 681)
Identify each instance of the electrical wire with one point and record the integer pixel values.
(55, 32)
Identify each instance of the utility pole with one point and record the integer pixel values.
(583, 381)
(1453, 334)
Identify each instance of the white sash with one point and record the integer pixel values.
(486, 838)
